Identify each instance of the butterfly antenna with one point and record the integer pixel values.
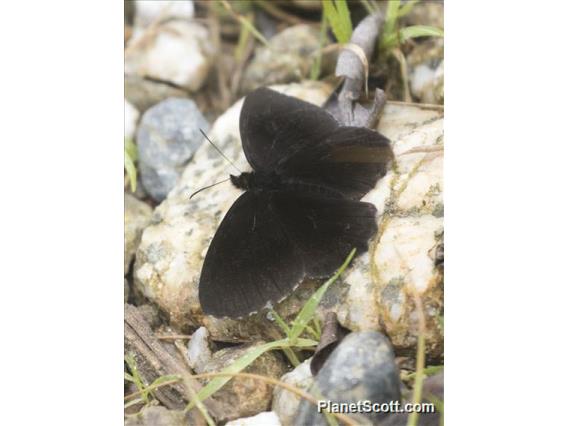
(207, 187)
(219, 151)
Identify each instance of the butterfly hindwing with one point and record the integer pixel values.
(269, 241)
(325, 229)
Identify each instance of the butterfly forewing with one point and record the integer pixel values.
(351, 161)
(274, 126)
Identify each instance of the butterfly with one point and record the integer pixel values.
(300, 214)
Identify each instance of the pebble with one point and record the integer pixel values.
(158, 416)
(198, 350)
(178, 52)
(131, 115)
(167, 137)
(267, 418)
(287, 60)
(361, 368)
(426, 71)
(286, 403)
(150, 11)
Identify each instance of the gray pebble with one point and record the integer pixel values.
(361, 368)
(167, 138)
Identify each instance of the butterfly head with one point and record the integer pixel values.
(256, 181)
(243, 181)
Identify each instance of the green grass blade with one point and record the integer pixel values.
(344, 18)
(133, 402)
(130, 147)
(428, 371)
(309, 308)
(130, 156)
(244, 34)
(249, 26)
(370, 7)
(135, 375)
(236, 367)
(166, 378)
(337, 14)
(316, 66)
(420, 31)
(391, 17)
(243, 362)
(281, 323)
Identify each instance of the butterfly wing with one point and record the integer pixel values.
(250, 261)
(274, 126)
(270, 241)
(351, 161)
(325, 230)
(302, 141)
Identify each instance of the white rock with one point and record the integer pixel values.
(427, 84)
(267, 418)
(410, 198)
(178, 52)
(198, 351)
(285, 403)
(131, 115)
(149, 11)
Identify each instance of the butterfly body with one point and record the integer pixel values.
(300, 214)
(251, 181)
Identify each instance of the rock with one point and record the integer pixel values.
(158, 416)
(426, 71)
(130, 119)
(177, 52)
(150, 11)
(247, 396)
(287, 60)
(268, 418)
(137, 216)
(370, 295)
(144, 93)
(361, 368)
(286, 403)
(172, 249)
(167, 137)
(409, 200)
(157, 183)
(198, 350)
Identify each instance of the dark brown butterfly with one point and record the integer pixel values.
(300, 214)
